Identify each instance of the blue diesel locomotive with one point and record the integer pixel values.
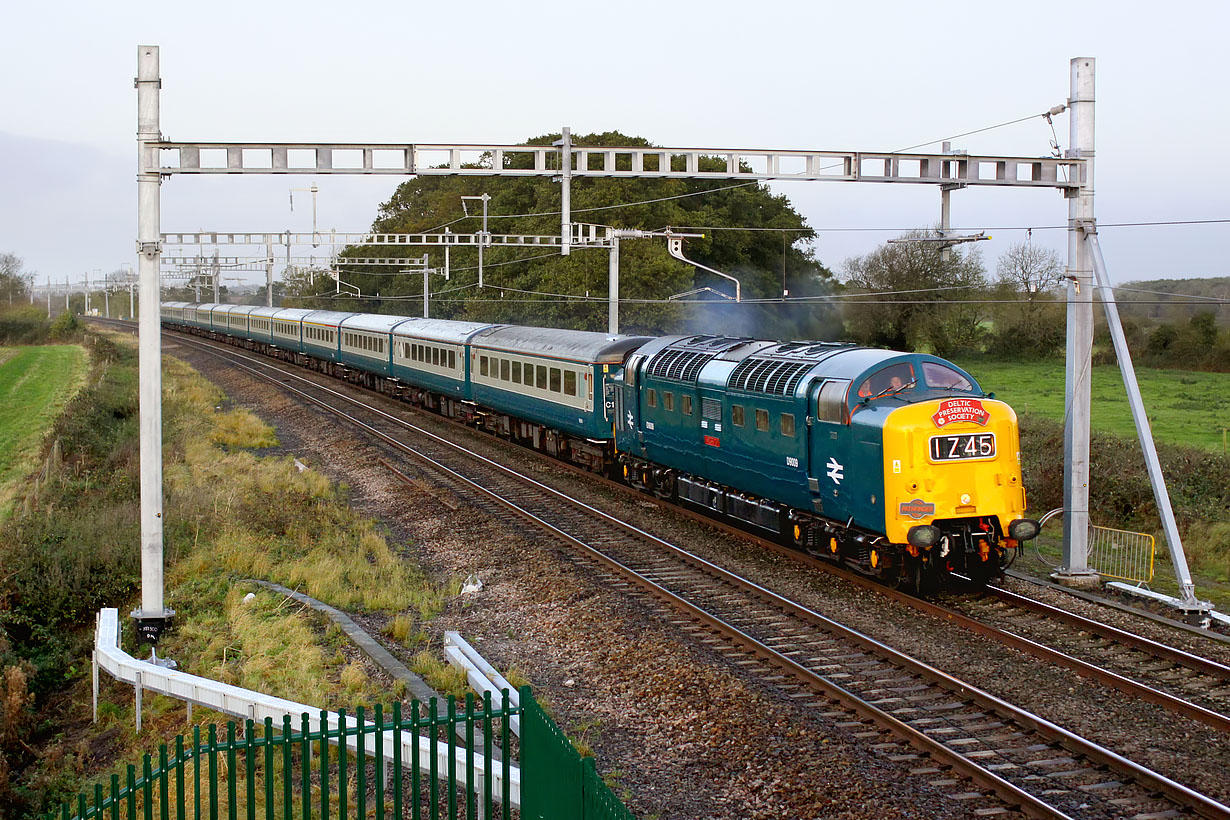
(896, 464)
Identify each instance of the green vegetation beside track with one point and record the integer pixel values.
(232, 512)
(35, 383)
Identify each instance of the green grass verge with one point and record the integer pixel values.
(230, 513)
(1184, 406)
(35, 382)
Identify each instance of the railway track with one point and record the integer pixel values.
(970, 736)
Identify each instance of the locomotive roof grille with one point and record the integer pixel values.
(773, 377)
(679, 365)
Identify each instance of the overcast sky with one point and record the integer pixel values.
(801, 75)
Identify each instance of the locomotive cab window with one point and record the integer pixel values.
(944, 378)
(895, 378)
(829, 401)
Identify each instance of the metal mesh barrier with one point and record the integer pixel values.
(1122, 554)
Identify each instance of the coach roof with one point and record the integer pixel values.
(442, 330)
(577, 345)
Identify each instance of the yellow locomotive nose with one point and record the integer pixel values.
(952, 458)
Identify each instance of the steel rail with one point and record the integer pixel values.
(1179, 656)
(1176, 792)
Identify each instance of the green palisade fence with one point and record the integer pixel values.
(291, 772)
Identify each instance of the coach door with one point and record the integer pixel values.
(830, 445)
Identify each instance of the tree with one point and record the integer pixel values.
(1029, 322)
(538, 286)
(922, 298)
(1029, 269)
(14, 284)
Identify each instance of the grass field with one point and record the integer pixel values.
(35, 382)
(1184, 407)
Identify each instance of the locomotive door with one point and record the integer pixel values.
(627, 411)
(830, 449)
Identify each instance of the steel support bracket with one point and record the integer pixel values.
(1089, 226)
(150, 250)
(150, 627)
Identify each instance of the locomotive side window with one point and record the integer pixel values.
(651, 397)
(736, 415)
(686, 405)
(829, 402)
(762, 420)
(668, 401)
(937, 375)
(787, 424)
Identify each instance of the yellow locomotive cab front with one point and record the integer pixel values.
(948, 460)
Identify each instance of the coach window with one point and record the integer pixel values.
(736, 415)
(668, 401)
(762, 420)
(829, 401)
(651, 397)
(555, 381)
(482, 365)
(505, 370)
(686, 405)
(452, 360)
(435, 357)
(570, 383)
(541, 381)
(788, 424)
(516, 372)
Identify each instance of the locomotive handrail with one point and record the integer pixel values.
(255, 706)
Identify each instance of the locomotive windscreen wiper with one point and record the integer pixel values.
(890, 390)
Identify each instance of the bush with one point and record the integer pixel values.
(65, 326)
(1120, 493)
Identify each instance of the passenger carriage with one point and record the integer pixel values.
(238, 321)
(366, 343)
(321, 329)
(173, 312)
(220, 319)
(431, 354)
(200, 316)
(286, 333)
(555, 377)
(260, 324)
